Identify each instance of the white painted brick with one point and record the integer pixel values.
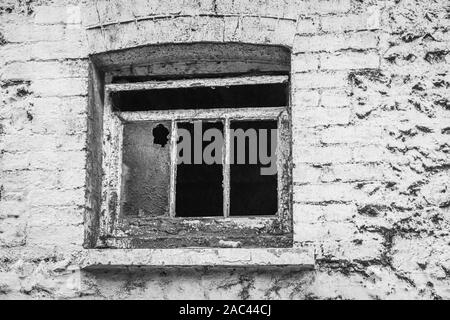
(360, 134)
(315, 80)
(307, 213)
(25, 142)
(15, 52)
(45, 70)
(369, 154)
(350, 60)
(305, 62)
(307, 26)
(327, 192)
(330, 231)
(352, 172)
(334, 42)
(322, 155)
(362, 248)
(369, 20)
(264, 30)
(55, 236)
(60, 87)
(37, 142)
(59, 106)
(45, 216)
(28, 32)
(305, 98)
(56, 197)
(57, 14)
(313, 117)
(66, 49)
(56, 160)
(303, 136)
(305, 173)
(335, 98)
(323, 6)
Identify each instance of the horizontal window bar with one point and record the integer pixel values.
(244, 113)
(196, 83)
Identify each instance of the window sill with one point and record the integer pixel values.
(301, 258)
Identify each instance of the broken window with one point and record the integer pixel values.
(197, 161)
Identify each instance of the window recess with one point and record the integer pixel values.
(151, 199)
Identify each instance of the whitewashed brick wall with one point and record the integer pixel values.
(371, 125)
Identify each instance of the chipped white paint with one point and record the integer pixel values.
(370, 148)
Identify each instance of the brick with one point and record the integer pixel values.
(264, 30)
(45, 216)
(305, 62)
(55, 236)
(56, 197)
(315, 80)
(307, 213)
(369, 154)
(305, 173)
(350, 60)
(289, 9)
(65, 49)
(320, 193)
(352, 172)
(32, 33)
(64, 125)
(25, 142)
(57, 14)
(313, 117)
(303, 136)
(15, 52)
(322, 155)
(307, 26)
(323, 6)
(60, 87)
(335, 42)
(305, 98)
(57, 160)
(37, 142)
(359, 134)
(107, 11)
(335, 98)
(322, 232)
(361, 248)
(45, 70)
(60, 106)
(369, 20)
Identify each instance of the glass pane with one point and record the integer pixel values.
(146, 168)
(199, 191)
(253, 176)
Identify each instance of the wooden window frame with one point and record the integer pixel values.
(174, 232)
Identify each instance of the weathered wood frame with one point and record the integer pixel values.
(158, 232)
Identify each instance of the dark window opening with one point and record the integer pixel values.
(241, 96)
(251, 192)
(199, 191)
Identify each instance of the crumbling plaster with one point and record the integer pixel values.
(370, 108)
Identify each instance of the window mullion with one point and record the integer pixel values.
(173, 167)
(226, 168)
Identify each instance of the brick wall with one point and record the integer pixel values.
(370, 109)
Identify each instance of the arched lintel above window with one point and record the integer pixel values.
(195, 59)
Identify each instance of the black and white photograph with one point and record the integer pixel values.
(224, 156)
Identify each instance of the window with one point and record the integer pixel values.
(199, 161)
